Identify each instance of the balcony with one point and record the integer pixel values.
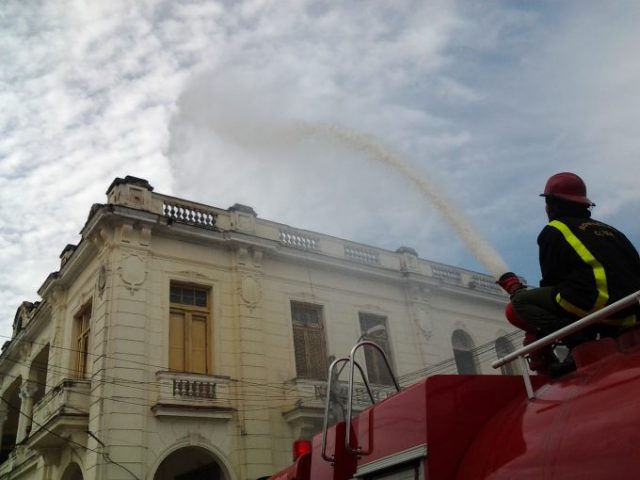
(20, 459)
(64, 409)
(305, 403)
(183, 394)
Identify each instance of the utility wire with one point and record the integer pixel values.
(64, 439)
(479, 353)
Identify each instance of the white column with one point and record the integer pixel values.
(27, 391)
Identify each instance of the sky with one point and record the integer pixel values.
(226, 102)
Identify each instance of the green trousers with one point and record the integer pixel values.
(538, 308)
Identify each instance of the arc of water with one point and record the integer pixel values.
(472, 239)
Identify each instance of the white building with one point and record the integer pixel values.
(182, 341)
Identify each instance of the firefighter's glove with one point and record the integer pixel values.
(510, 283)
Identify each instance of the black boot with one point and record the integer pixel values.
(560, 368)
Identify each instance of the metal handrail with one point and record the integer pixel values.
(352, 363)
(564, 332)
(330, 379)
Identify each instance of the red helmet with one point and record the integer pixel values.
(567, 186)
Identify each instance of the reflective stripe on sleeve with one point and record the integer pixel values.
(598, 272)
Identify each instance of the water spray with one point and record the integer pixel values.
(472, 239)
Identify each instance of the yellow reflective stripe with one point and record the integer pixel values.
(627, 321)
(570, 307)
(598, 271)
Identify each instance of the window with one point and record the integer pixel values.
(82, 330)
(189, 329)
(374, 328)
(309, 341)
(409, 472)
(463, 353)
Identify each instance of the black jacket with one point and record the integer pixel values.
(591, 263)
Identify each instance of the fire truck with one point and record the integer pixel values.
(582, 425)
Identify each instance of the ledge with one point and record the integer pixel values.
(192, 411)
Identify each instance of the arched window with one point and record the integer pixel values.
(503, 347)
(463, 352)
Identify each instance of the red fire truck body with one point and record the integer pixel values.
(585, 424)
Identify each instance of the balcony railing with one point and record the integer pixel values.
(182, 211)
(189, 213)
(19, 458)
(65, 407)
(447, 275)
(189, 394)
(69, 397)
(301, 392)
(361, 254)
(303, 241)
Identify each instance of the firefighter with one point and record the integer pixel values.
(585, 265)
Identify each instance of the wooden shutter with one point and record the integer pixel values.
(198, 332)
(316, 353)
(309, 341)
(176, 341)
(83, 329)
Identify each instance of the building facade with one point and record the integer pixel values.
(181, 341)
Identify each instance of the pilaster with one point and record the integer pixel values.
(254, 422)
(27, 391)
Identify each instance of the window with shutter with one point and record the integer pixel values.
(189, 329)
(374, 328)
(309, 340)
(463, 346)
(82, 329)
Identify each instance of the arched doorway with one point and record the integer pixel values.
(72, 472)
(190, 463)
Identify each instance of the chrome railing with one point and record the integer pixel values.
(576, 326)
(351, 362)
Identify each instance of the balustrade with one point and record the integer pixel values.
(194, 389)
(189, 214)
(300, 240)
(181, 392)
(447, 275)
(360, 254)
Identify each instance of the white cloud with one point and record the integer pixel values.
(484, 99)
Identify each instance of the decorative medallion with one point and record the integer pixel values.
(250, 291)
(425, 323)
(133, 271)
(102, 280)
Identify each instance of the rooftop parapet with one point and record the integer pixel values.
(241, 223)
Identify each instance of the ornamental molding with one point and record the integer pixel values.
(133, 270)
(250, 291)
(425, 323)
